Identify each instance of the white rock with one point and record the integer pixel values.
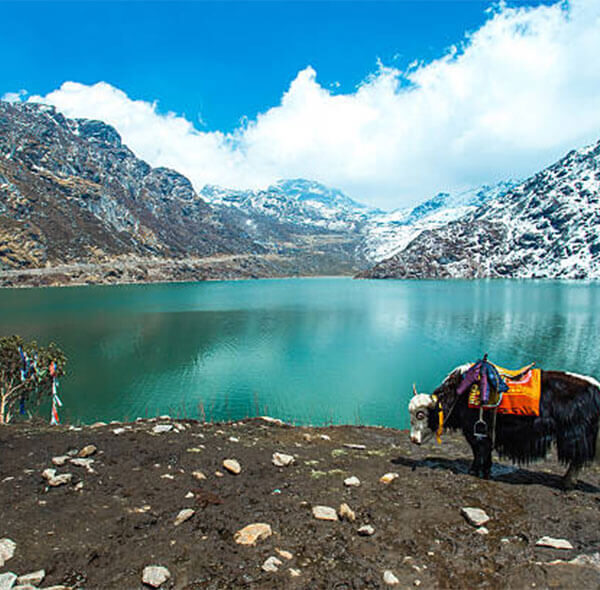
(48, 473)
(155, 575)
(34, 578)
(184, 515)
(87, 463)
(355, 446)
(346, 513)
(554, 543)
(271, 564)
(294, 572)
(160, 428)
(271, 420)
(119, 431)
(164, 417)
(283, 553)
(232, 465)
(366, 530)
(167, 476)
(234, 439)
(282, 460)
(56, 480)
(98, 424)
(388, 477)
(7, 580)
(475, 516)
(199, 475)
(189, 495)
(324, 437)
(324, 513)
(87, 451)
(252, 533)
(390, 579)
(60, 460)
(352, 481)
(482, 531)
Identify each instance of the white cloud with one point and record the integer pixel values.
(14, 96)
(518, 93)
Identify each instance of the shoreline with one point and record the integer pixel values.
(117, 513)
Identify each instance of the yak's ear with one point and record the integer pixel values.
(415, 392)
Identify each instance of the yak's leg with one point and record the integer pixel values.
(570, 477)
(482, 455)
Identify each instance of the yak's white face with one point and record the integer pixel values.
(419, 407)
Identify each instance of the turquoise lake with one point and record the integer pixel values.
(311, 351)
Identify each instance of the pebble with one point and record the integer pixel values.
(87, 463)
(355, 446)
(234, 439)
(219, 474)
(87, 451)
(352, 481)
(294, 573)
(155, 575)
(195, 449)
(34, 578)
(346, 513)
(475, 516)
(271, 420)
(160, 428)
(199, 475)
(189, 495)
(56, 480)
(167, 476)
(271, 564)
(98, 424)
(118, 431)
(553, 543)
(60, 460)
(324, 437)
(285, 554)
(252, 533)
(232, 466)
(7, 580)
(390, 579)
(389, 477)
(366, 530)
(282, 460)
(184, 515)
(482, 531)
(324, 513)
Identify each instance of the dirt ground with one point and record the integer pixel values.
(102, 528)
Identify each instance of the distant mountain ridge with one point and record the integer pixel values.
(546, 227)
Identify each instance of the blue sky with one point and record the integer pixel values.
(390, 101)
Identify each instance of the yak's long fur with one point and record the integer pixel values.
(569, 415)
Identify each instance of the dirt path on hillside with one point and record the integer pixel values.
(116, 516)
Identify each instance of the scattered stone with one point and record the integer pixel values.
(142, 509)
(219, 474)
(7, 550)
(234, 439)
(390, 579)
(79, 486)
(7, 580)
(389, 477)
(56, 480)
(232, 466)
(366, 530)
(324, 437)
(553, 543)
(184, 515)
(252, 533)
(271, 564)
(282, 460)
(417, 583)
(155, 575)
(294, 573)
(87, 463)
(98, 424)
(87, 451)
(164, 417)
(346, 513)
(355, 446)
(118, 431)
(199, 475)
(307, 437)
(482, 531)
(189, 495)
(60, 460)
(33, 579)
(352, 482)
(160, 428)
(285, 554)
(324, 513)
(475, 516)
(271, 420)
(167, 476)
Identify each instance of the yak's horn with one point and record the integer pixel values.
(415, 392)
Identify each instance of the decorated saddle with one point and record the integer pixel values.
(506, 391)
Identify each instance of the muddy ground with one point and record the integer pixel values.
(101, 534)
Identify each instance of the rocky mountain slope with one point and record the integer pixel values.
(546, 227)
(70, 191)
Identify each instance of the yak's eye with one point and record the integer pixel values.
(421, 415)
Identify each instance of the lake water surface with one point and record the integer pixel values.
(312, 351)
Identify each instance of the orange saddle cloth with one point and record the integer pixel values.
(522, 397)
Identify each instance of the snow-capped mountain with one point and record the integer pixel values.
(546, 227)
(297, 202)
(389, 233)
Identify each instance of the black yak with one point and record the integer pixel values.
(569, 412)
